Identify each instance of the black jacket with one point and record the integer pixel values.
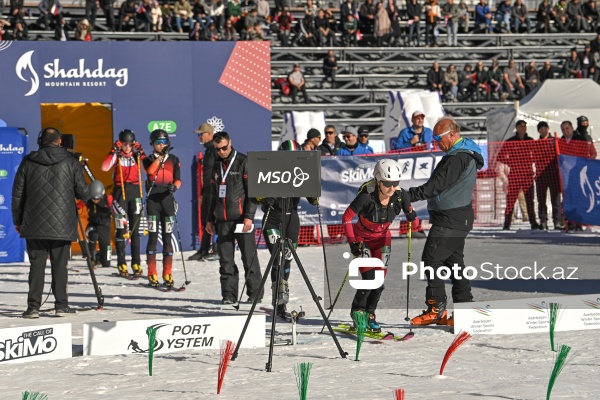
(328, 151)
(44, 192)
(208, 166)
(236, 204)
(99, 214)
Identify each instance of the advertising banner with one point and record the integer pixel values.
(130, 337)
(34, 343)
(581, 184)
(527, 315)
(13, 147)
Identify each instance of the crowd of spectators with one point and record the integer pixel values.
(355, 22)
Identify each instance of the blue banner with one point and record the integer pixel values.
(341, 177)
(13, 147)
(581, 185)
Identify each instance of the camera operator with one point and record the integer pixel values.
(231, 206)
(128, 194)
(45, 214)
(163, 169)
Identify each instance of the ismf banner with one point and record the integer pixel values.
(581, 186)
(341, 177)
(13, 147)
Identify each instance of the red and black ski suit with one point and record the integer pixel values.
(372, 229)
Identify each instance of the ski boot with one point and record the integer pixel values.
(153, 280)
(123, 270)
(372, 325)
(281, 311)
(444, 320)
(168, 280)
(284, 292)
(435, 314)
(137, 270)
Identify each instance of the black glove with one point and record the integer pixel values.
(356, 249)
(411, 215)
(313, 200)
(171, 188)
(166, 150)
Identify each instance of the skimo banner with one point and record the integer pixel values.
(341, 177)
(33, 343)
(13, 147)
(581, 186)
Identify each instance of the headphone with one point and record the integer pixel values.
(43, 132)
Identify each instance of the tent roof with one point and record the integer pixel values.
(572, 94)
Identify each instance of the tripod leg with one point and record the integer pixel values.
(343, 354)
(278, 251)
(83, 243)
(260, 289)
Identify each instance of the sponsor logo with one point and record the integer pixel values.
(538, 307)
(588, 190)
(29, 344)
(592, 304)
(297, 177)
(1, 199)
(81, 75)
(486, 312)
(182, 337)
(9, 150)
(363, 172)
(216, 123)
(3, 173)
(2, 230)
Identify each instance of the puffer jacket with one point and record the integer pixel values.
(44, 192)
(236, 204)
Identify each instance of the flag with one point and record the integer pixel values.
(359, 35)
(141, 8)
(54, 10)
(356, 16)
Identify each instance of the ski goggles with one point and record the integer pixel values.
(161, 141)
(437, 138)
(128, 144)
(390, 184)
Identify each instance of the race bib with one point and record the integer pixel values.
(169, 224)
(152, 226)
(120, 222)
(138, 206)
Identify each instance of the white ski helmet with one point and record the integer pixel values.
(387, 171)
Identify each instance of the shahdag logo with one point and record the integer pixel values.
(587, 189)
(79, 76)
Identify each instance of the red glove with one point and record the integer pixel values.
(137, 146)
(80, 204)
(118, 145)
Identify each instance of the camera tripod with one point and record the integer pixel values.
(279, 250)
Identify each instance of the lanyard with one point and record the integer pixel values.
(224, 175)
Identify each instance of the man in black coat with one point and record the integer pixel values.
(45, 214)
(205, 134)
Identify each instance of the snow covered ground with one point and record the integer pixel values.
(494, 367)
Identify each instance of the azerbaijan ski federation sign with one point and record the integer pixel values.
(32, 343)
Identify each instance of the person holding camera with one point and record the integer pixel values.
(126, 157)
(377, 204)
(45, 215)
(163, 170)
(230, 215)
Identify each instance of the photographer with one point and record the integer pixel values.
(230, 206)
(163, 169)
(126, 156)
(45, 214)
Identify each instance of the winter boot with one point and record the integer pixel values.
(372, 325)
(137, 270)
(168, 280)
(436, 312)
(153, 280)
(123, 270)
(284, 292)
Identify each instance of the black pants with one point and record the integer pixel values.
(272, 232)
(228, 270)
(99, 233)
(549, 180)
(206, 237)
(294, 93)
(90, 11)
(444, 247)
(367, 300)
(161, 210)
(132, 204)
(38, 251)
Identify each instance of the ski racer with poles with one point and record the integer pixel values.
(377, 204)
(126, 157)
(163, 170)
(272, 220)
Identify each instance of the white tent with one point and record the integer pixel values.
(557, 100)
(296, 124)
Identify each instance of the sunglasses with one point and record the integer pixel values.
(329, 132)
(390, 184)
(347, 136)
(222, 148)
(437, 138)
(363, 135)
(127, 144)
(161, 141)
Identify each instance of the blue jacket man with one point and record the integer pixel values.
(352, 146)
(415, 135)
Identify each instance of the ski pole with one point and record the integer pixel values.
(408, 277)
(143, 210)
(265, 219)
(336, 298)
(180, 248)
(324, 254)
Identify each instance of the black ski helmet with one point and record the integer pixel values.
(96, 190)
(157, 134)
(127, 136)
(289, 145)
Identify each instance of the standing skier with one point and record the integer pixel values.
(163, 169)
(378, 203)
(126, 157)
(272, 227)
